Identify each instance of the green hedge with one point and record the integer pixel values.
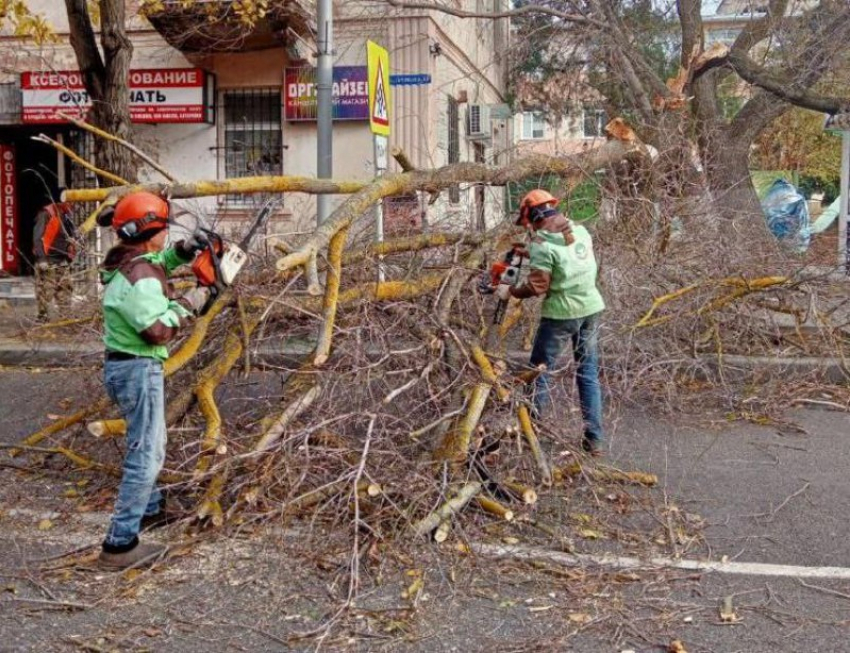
(581, 205)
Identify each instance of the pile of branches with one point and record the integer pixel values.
(408, 407)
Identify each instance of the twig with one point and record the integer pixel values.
(82, 124)
(54, 604)
(354, 581)
(67, 151)
(772, 515)
(825, 590)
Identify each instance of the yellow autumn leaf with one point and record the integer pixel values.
(676, 646)
(579, 617)
(70, 493)
(132, 574)
(590, 534)
(45, 525)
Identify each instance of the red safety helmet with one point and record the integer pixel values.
(537, 197)
(139, 213)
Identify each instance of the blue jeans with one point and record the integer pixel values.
(138, 388)
(549, 342)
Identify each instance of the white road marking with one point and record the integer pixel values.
(624, 562)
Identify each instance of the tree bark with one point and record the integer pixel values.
(105, 75)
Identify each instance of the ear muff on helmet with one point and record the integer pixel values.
(134, 229)
(539, 212)
(140, 215)
(535, 199)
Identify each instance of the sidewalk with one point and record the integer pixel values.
(24, 343)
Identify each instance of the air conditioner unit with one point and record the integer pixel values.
(478, 122)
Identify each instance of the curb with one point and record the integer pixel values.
(19, 353)
(291, 352)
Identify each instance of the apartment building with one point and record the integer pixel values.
(211, 100)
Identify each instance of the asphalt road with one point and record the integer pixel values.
(767, 495)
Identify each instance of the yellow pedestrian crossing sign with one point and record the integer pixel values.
(378, 67)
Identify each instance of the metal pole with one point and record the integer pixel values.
(844, 203)
(324, 104)
(379, 148)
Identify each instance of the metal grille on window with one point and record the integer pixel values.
(90, 254)
(454, 144)
(252, 135)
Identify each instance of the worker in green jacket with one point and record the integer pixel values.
(563, 270)
(140, 317)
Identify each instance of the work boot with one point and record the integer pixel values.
(138, 556)
(159, 519)
(592, 448)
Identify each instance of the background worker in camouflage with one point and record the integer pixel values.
(54, 248)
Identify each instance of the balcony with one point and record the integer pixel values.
(208, 26)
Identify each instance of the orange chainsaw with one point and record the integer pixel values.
(218, 264)
(507, 272)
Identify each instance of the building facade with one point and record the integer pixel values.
(210, 105)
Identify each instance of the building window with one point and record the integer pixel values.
(533, 125)
(725, 36)
(252, 134)
(593, 123)
(454, 144)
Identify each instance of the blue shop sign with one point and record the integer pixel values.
(409, 80)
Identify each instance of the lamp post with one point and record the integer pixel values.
(840, 123)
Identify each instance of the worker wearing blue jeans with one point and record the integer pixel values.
(563, 270)
(552, 336)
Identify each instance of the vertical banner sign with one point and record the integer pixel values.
(8, 210)
(378, 64)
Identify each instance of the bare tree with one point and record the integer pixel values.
(622, 49)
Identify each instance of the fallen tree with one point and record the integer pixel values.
(398, 419)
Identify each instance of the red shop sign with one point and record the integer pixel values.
(8, 210)
(174, 95)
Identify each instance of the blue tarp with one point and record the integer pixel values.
(787, 215)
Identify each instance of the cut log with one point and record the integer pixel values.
(527, 494)
(443, 531)
(455, 444)
(495, 508)
(449, 508)
(534, 444)
(107, 428)
(610, 475)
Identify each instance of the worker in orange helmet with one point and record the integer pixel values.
(140, 317)
(54, 249)
(563, 270)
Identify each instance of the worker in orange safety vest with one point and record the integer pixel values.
(54, 248)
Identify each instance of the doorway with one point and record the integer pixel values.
(37, 182)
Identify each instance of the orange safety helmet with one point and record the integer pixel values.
(139, 213)
(537, 197)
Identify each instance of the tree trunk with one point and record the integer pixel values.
(113, 111)
(106, 79)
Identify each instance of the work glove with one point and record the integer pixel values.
(196, 299)
(503, 292)
(188, 247)
(484, 287)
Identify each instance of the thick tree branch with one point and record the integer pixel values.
(788, 90)
(85, 47)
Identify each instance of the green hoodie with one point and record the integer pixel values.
(572, 291)
(139, 315)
